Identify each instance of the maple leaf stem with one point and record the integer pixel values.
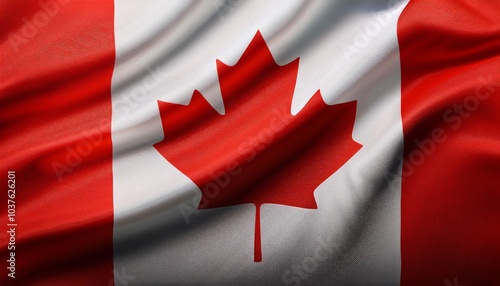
(257, 241)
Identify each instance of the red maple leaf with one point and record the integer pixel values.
(257, 152)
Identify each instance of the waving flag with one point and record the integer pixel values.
(250, 142)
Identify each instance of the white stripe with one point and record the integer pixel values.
(167, 49)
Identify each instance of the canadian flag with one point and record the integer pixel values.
(250, 142)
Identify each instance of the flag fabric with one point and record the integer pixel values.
(250, 142)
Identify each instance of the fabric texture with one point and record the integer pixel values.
(285, 142)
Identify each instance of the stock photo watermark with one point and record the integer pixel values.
(11, 224)
(455, 282)
(454, 117)
(371, 30)
(31, 26)
(133, 98)
(121, 278)
(224, 7)
(75, 154)
(299, 272)
(249, 149)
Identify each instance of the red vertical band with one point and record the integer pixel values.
(57, 59)
(257, 257)
(450, 70)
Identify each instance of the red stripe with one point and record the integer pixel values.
(57, 59)
(450, 67)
